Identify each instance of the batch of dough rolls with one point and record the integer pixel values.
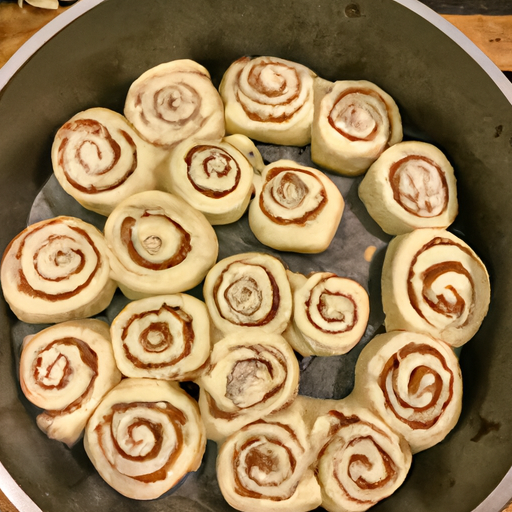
(178, 162)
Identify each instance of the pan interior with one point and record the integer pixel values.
(445, 98)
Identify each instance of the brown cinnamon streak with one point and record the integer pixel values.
(308, 216)
(431, 274)
(127, 227)
(175, 416)
(230, 165)
(419, 421)
(26, 288)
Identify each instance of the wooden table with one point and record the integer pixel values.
(491, 32)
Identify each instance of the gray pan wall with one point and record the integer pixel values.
(445, 98)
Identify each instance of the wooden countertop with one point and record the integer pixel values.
(491, 33)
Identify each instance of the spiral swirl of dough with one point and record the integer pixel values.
(250, 375)
(297, 209)
(159, 245)
(145, 436)
(330, 313)
(362, 462)
(269, 99)
(162, 337)
(66, 369)
(411, 185)
(99, 159)
(355, 121)
(433, 282)
(414, 382)
(57, 270)
(175, 101)
(213, 177)
(266, 465)
(248, 291)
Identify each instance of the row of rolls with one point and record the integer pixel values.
(173, 137)
(277, 450)
(118, 385)
(164, 174)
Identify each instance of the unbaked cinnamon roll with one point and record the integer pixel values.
(145, 437)
(362, 461)
(159, 245)
(250, 375)
(248, 291)
(414, 383)
(267, 465)
(99, 159)
(434, 283)
(269, 99)
(66, 369)
(355, 121)
(330, 314)
(57, 270)
(163, 337)
(213, 177)
(174, 101)
(410, 186)
(297, 208)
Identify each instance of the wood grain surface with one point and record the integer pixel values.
(487, 24)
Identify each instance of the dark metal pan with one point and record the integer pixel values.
(449, 93)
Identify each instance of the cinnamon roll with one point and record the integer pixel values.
(410, 186)
(362, 461)
(66, 369)
(296, 209)
(213, 177)
(159, 245)
(434, 283)
(248, 291)
(330, 314)
(269, 99)
(414, 383)
(355, 121)
(267, 465)
(250, 375)
(175, 101)
(162, 337)
(57, 270)
(99, 159)
(145, 437)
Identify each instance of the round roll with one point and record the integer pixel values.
(414, 383)
(159, 245)
(248, 291)
(434, 283)
(296, 209)
(162, 337)
(269, 99)
(266, 465)
(250, 375)
(355, 121)
(57, 270)
(99, 159)
(362, 462)
(174, 101)
(410, 186)
(144, 437)
(213, 177)
(66, 369)
(330, 314)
